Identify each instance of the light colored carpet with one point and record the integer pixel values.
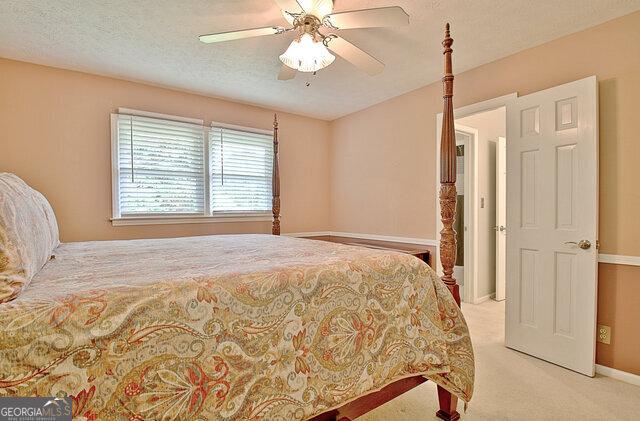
(514, 386)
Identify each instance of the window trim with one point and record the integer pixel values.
(193, 219)
(241, 128)
(171, 219)
(179, 119)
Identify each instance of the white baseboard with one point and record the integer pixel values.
(420, 241)
(618, 259)
(412, 240)
(623, 376)
(307, 234)
(485, 298)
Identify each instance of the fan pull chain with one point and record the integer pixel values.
(309, 75)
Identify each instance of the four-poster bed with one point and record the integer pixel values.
(239, 327)
(447, 401)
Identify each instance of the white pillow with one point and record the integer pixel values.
(28, 235)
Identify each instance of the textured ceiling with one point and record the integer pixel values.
(155, 41)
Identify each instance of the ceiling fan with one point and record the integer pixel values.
(309, 19)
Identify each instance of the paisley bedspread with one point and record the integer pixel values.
(228, 328)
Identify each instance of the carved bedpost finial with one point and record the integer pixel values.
(275, 181)
(448, 67)
(448, 193)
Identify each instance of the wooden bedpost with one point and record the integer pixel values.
(275, 203)
(448, 175)
(448, 196)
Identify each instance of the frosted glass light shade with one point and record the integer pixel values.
(307, 55)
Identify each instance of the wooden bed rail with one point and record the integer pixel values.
(275, 180)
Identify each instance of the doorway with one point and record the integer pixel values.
(481, 265)
(478, 216)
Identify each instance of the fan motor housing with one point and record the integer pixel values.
(307, 24)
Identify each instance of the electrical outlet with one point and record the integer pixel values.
(604, 334)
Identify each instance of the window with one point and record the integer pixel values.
(240, 168)
(169, 169)
(160, 166)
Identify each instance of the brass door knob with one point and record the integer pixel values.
(583, 244)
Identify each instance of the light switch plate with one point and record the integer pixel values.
(604, 334)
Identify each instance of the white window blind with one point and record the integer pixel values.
(240, 167)
(160, 167)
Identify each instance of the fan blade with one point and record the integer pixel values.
(369, 18)
(292, 6)
(245, 33)
(286, 73)
(355, 56)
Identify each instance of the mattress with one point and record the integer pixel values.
(228, 327)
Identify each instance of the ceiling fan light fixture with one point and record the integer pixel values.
(307, 55)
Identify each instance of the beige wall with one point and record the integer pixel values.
(56, 135)
(383, 158)
(619, 307)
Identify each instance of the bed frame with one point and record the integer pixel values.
(447, 401)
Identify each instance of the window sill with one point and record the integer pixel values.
(191, 219)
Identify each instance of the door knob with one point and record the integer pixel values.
(583, 244)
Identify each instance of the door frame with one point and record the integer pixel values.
(470, 216)
(477, 108)
(501, 286)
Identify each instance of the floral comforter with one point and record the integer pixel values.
(228, 328)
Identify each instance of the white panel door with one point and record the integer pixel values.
(501, 217)
(552, 221)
